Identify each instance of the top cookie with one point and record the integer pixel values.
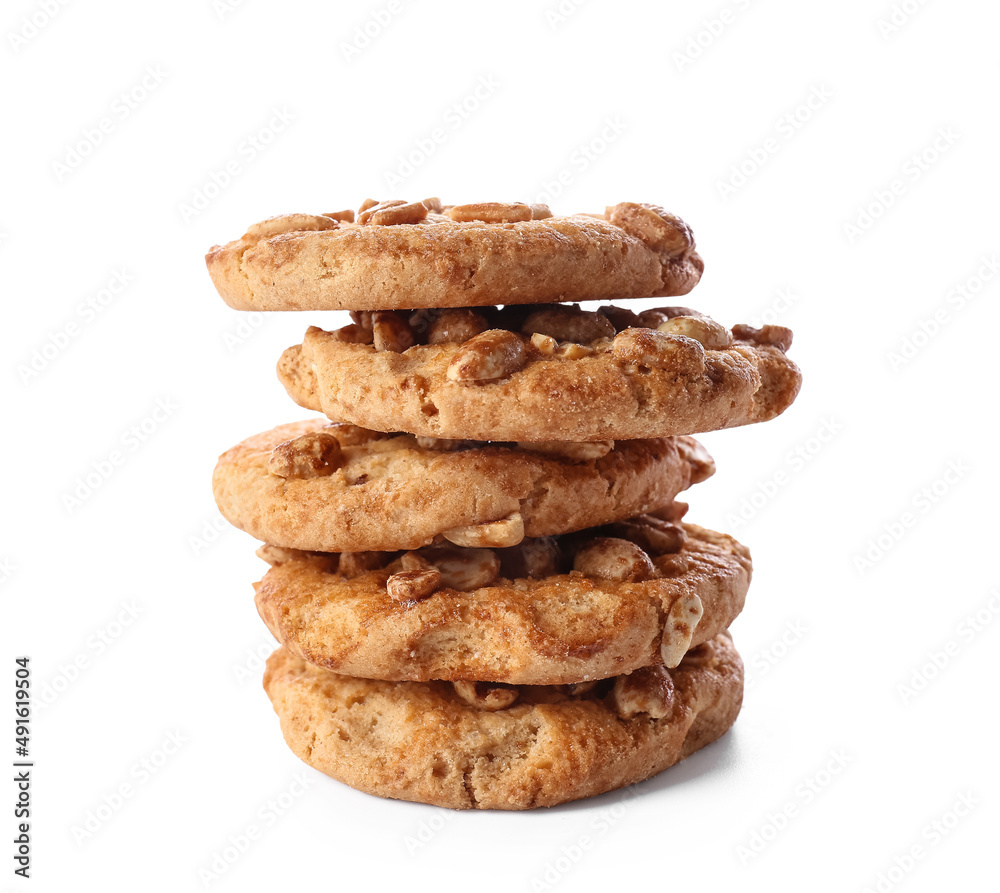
(397, 255)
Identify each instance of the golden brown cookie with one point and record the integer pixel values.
(556, 373)
(490, 747)
(579, 607)
(423, 254)
(373, 491)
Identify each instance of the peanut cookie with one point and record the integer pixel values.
(553, 610)
(424, 254)
(337, 488)
(554, 372)
(482, 746)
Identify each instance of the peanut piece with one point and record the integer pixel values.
(312, 455)
(391, 331)
(490, 696)
(491, 212)
(492, 355)
(649, 690)
(778, 336)
(507, 531)
(290, 223)
(658, 350)
(569, 324)
(707, 332)
(611, 558)
(408, 586)
(461, 569)
(682, 620)
(456, 325)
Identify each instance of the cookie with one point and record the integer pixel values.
(373, 491)
(579, 607)
(486, 747)
(423, 254)
(557, 373)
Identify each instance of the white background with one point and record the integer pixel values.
(611, 101)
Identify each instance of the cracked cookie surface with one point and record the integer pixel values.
(516, 615)
(386, 492)
(422, 741)
(425, 254)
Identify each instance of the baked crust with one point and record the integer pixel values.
(391, 492)
(317, 262)
(605, 394)
(421, 742)
(561, 628)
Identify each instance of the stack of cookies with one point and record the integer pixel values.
(483, 584)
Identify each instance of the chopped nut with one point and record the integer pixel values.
(362, 317)
(433, 204)
(611, 558)
(354, 334)
(491, 212)
(352, 435)
(462, 569)
(707, 332)
(573, 351)
(492, 355)
(354, 564)
(649, 690)
(408, 586)
(654, 535)
(291, 223)
(444, 445)
(507, 531)
(658, 350)
(391, 331)
(544, 344)
(312, 455)
(366, 204)
(342, 216)
(699, 459)
(393, 213)
(578, 452)
(663, 232)
(778, 336)
(620, 317)
(456, 325)
(652, 318)
(682, 620)
(569, 324)
(576, 689)
(540, 211)
(278, 555)
(534, 558)
(486, 695)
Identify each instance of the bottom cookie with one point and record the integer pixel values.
(492, 746)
